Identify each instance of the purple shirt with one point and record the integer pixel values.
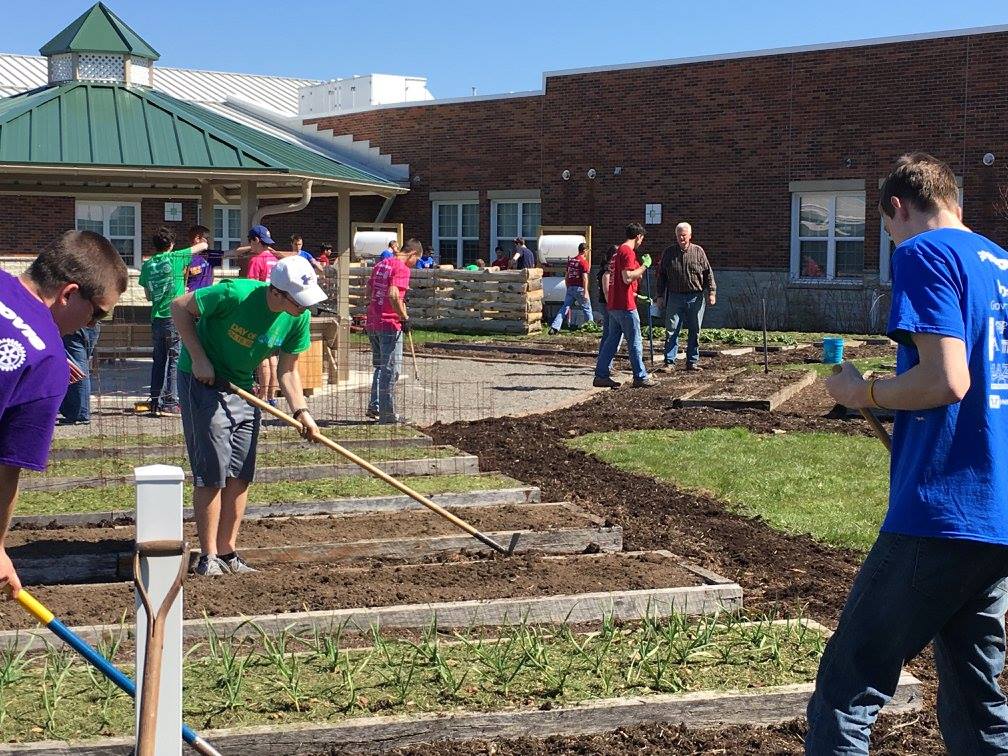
(33, 376)
(199, 274)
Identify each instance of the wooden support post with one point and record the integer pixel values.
(159, 517)
(343, 290)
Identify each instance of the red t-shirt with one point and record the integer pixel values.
(388, 272)
(576, 268)
(622, 296)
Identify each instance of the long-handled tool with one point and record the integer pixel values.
(650, 309)
(876, 425)
(34, 607)
(149, 699)
(255, 401)
(412, 351)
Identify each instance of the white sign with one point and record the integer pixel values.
(173, 211)
(652, 214)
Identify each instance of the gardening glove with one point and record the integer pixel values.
(644, 299)
(646, 261)
(407, 325)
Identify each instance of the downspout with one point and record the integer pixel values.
(386, 206)
(292, 207)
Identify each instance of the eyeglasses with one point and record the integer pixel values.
(289, 298)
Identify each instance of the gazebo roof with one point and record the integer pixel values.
(82, 126)
(99, 30)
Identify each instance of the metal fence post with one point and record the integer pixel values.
(158, 518)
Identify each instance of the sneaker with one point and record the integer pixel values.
(234, 564)
(605, 383)
(554, 331)
(169, 411)
(390, 420)
(210, 566)
(644, 382)
(372, 412)
(695, 368)
(666, 368)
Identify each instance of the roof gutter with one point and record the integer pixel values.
(292, 207)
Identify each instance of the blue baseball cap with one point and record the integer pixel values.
(262, 234)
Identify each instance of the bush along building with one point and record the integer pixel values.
(773, 156)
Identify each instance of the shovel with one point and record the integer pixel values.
(876, 425)
(255, 401)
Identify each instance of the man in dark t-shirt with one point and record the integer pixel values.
(522, 257)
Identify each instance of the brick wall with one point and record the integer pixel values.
(30, 223)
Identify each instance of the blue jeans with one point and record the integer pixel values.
(386, 357)
(622, 323)
(79, 346)
(683, 308)
(164, 372)
(607, 325)
(575, 296)
(909, 591)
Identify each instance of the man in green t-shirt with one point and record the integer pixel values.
(163, 278)
(240, 323)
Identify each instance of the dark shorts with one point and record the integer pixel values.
(221, 433)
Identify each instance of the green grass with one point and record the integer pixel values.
(832, 487)
(295, 454)
(124, 497)
(282, 679)
(864, 364)
(362, 432)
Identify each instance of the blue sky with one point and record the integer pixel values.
(495, 47)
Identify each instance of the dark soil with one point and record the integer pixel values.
(310, 587)
(751, 384)
(285, 531)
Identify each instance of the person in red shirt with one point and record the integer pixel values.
(576, 279)
(625, 271)
(387, 321)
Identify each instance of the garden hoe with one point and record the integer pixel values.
(255, 401)
(154, 653)
(35, 608)
(876, 425)
(412, 351)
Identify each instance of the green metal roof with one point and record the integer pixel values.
(99, 30)
(92, 124)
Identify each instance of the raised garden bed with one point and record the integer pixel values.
(749, 389)
(335, 496)
(302, 598)
(709, 672)
(78, 555)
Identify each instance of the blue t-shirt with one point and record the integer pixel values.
(386, 254)
(306, 255)
(425, 262)
(525, 258)
(949, 470)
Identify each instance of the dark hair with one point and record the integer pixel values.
(520, 240)
(325, 247)
(922, 180)
(199, 231)
(499, 250)
(162, 239)
(412, 246)
(583, 247)
(81, 257)
(611, 250)
(296, 237)
(633, 230)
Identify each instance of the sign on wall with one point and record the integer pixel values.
(652, 214)
(173, 211)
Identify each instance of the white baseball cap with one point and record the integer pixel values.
(296, 276)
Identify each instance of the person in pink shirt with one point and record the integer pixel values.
(259, 268)
(387, 321)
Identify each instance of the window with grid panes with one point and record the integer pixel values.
(827, 241)
(119, 222)
(227, 229)
(511, 218)
(456, 232)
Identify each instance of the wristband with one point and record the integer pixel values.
(298, 413)
(871, 393)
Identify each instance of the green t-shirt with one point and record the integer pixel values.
(163, 275)
(238, 331)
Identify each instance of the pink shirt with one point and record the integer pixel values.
(380, 315)
(262, 265)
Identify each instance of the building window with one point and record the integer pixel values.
(511, 218)
(119, 222)
(456, 232)
(227, 230)
(827, 235)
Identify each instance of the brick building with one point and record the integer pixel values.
(775, 157)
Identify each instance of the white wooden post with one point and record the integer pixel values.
(159, 517)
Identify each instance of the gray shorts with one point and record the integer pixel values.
(221, 433)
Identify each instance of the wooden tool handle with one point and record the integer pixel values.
(876, 425)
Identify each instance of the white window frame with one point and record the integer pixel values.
(458, 238)
(240, 237)
(108, 205)
(521, 202)
(830, 238)
(885, 250)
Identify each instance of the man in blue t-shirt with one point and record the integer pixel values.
(522, 258)
(939, 569)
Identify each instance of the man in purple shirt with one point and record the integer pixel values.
(73, 283)
(199, 274)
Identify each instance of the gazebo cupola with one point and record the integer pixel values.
(99, 46)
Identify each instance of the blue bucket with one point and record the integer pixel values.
(832, 351)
